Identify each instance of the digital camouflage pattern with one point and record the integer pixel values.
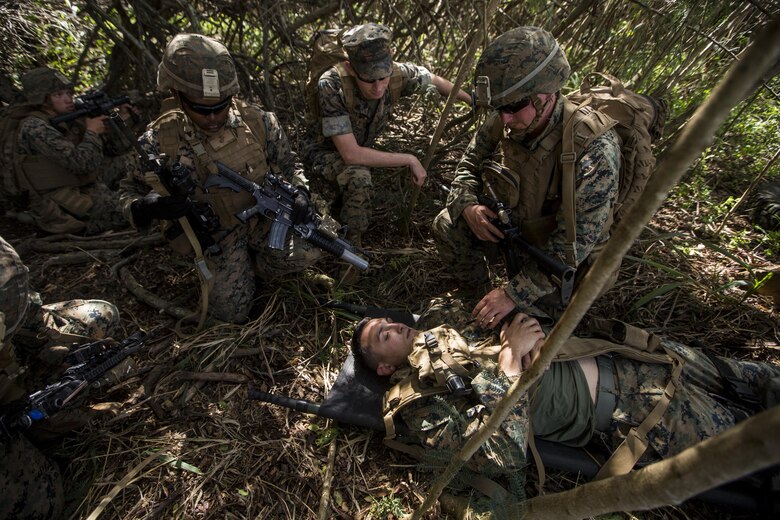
(82, 154)
(596, 185)
(511, 63)
(244, 249)
(32, 483)
(697, 410)
(368, 48)
(197, 66)
(366, 121)
(42, 81)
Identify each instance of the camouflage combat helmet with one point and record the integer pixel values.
(522, 61)
(41, 81)
(368, 49)
(14, 287)
(197, 66)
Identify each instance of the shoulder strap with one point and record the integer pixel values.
(628, 453)
(593, 124)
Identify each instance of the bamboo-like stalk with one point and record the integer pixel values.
(694, 138)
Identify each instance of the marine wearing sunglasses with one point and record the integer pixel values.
(209, 118)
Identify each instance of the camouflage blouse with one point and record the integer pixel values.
(368, 118)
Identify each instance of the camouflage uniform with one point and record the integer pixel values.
(244, 251)
(443, 424)
(364, 118)
(596, 183)
(83, 203)
(31, 482)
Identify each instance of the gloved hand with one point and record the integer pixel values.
(300, 212)
(153, 206)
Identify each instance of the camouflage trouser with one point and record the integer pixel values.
(244, 256)
(31, 483)
(355, 186)
(464, 254)
(696, 412)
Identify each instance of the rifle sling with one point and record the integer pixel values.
(204, 275)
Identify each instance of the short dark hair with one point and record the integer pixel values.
(359, 351)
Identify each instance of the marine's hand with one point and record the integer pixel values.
(492, 308)
(521, 341)
(153, 206)
(478, 219)
(418, 172)
(97, 124)
(301, 206)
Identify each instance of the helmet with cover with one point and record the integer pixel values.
(197, 66)
(522, 61)
(42, 81)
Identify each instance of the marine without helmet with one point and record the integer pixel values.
(522, 61)
(197, 66)
(41, 81)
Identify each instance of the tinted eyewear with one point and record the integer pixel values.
(370, 81)
(516, 106)
(207, 110)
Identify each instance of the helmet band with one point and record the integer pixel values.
(528, 77)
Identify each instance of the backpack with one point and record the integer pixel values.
(11, 193)
(640, 120)
(328, 52)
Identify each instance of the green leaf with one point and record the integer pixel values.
(179, 464)
(243, 492)
(658, 291)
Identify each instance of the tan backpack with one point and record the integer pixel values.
(11, 193)
(640, 121)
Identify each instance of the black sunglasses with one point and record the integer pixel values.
(370, 81)
(511, 108)
(207, 110)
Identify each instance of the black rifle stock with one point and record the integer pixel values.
(275, 200)
(91, 362)
(561, 274)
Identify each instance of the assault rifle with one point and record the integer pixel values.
(88, 363)
(275, 200)
(97, 103)
(92, 104)
(561, 274)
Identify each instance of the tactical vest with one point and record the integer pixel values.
(531, 183)
(349, 85)
(242, 148)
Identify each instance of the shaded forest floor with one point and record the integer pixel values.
(169, 447)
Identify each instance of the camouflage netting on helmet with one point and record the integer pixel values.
(436, 460)
(197, 66)
(40, 82)
(522, 61)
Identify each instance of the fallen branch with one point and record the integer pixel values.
(322, 514)
(150, 299)
(213, 377)
(43, 246)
